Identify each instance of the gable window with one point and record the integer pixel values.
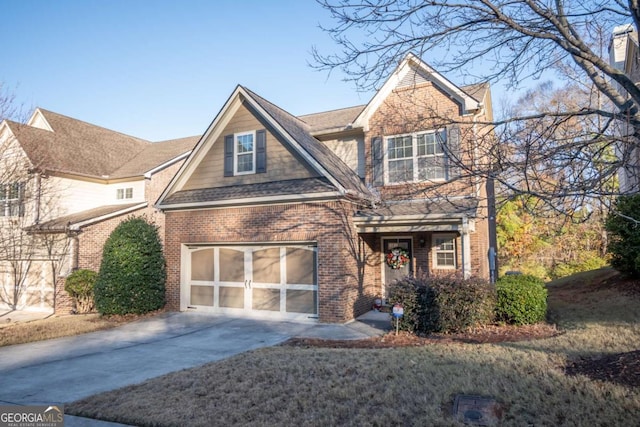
(416, 157)
(444, 251)
(124, 193)
(244, 155)
(12, 199)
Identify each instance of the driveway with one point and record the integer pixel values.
(66, 369)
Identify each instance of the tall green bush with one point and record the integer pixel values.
(132, 273)
(623, 226)
(79, 285)
(521, 299)
(443, 304)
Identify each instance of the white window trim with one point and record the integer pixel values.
(236, 154)
(435, 251)
(124, 190)
(415, 157)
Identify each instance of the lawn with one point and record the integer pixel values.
(297, 385)
(60, 326)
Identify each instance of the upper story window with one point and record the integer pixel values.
(245, 153)
(124, 193)
(12, 199)
(416, 157)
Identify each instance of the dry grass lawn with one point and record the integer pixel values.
(312, 386)
(59, 326)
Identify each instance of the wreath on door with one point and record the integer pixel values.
(397, 258)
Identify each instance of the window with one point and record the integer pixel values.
(124, 193)
(444, 251)
(244, 155)
(12, 199)
(416, 157)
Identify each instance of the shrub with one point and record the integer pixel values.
(132, 273)
(624, 235)
(79, 285)
(522, 299)
(443, 304)
(454, 304)
(406, 292)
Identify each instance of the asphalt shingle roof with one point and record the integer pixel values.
(61, 223)
(80, 148)
(264, 189)
(300, 132)
(422, 207)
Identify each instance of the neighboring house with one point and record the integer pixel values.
(624, 55)
(67, 184)
(292, 217)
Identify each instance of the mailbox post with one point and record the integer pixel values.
(398, 312)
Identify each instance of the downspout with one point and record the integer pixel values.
(492, 252)
(466, 248)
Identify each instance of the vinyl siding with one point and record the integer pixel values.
(282, 164)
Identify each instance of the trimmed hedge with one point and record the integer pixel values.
(79, 285)
(132, 273)
(522, 299)
(444, 303)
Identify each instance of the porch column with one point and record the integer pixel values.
(466, 248)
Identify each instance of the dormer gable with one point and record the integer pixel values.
(411, 72)
(254, 145)
(38, 120)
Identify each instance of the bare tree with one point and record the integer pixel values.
(562, 153)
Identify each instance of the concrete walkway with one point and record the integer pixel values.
(63, 370)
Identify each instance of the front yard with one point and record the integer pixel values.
(535, 382)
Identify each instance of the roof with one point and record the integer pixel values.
(154, 155)
(332, 120)
(476, 91)
(80, 148)
(267, 190)
(423, 208)
(90, 216)
(301, 133)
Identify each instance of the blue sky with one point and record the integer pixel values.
(161, 69)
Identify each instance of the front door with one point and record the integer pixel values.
(394, 251)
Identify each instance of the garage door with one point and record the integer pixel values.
(265, 281)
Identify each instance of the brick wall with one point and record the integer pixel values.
(92, 238)
(346, 277)
(426, 107)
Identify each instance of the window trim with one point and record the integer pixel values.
(7, 202)
(415, 157)
(236, 154)
(435, 251)
(124, 193)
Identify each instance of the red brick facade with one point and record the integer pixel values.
(91, 239)
(346, 285)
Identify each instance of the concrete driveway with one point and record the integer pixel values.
(66, 369)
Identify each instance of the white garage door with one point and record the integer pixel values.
(266, 281)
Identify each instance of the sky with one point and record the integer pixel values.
(162, 69)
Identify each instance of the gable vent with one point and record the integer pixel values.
(413, 78)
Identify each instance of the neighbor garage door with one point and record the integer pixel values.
(272, 281)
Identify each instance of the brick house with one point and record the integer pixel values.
(624, 55)
(308, 218)
(65, 185)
